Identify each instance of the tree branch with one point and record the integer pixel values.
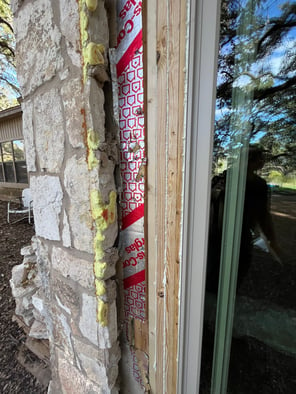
(262, 94)
(6, 23)
(4, 45)
(14, 87)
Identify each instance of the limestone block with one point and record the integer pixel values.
(40, 310)
(62, 332)
(66, 295)
(110, 290)
(64, 74)
(30, 260)
(28, 132)
(107, 335)
(66, 234)
(109, 265)
(87, 323)
(95, 113)
(110, 235)
(108, 357)
(49, 131)
(38, 45)
(38, 330)
(27, 250)
(43, 265)
(27, 318)
(91, 351)
(112, 375)
(38, 316)
(114, 354)
(106, 170)
(94, 371)
(15, 4)
(72, 267)
(62, 306)
(17, 275)
(74, 381)
(73, 110)
(27, 302)
(98, 25)
(69, 22)
(21, 291)
(77, 186)
(21, 307)
(47, 196)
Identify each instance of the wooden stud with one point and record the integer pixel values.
(165, 131)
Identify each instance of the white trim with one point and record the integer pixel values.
(13, 185)
(203, 49)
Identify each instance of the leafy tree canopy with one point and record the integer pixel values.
(257, 61)
(9, 89)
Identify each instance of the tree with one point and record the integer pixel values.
(259, 58)
(9, 89)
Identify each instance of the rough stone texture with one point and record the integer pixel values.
(38, 330)
(49, 131)
(15, 4)
(87, 323)
(25, 284)
(69, 22)
(18, 273)
(111, 258)
(43, 265)
(47, 196)
(73, 109)
(108, 335)
(62, 333)
(95, 371)
(99, 32)
(66, 235)
(95, 116)
(60, 107)
(66, 295)
(62, 306)
(27, 107)
(73, 381)
(68, 265)
(110, 294)
(77, 186)
(102, 336)
(39, 311)
(38, 45)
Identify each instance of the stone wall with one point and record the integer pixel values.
(62, 64)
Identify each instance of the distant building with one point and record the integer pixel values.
(13, 169)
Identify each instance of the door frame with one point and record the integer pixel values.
(204, 25)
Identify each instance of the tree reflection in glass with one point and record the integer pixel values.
(255, 105)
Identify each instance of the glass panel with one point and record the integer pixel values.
(1, 166)
(8, 161)
(1, 173)
(253, 212)
(20, 162)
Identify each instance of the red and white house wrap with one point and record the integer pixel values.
(129, 65)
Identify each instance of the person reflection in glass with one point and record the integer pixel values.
(256, 216)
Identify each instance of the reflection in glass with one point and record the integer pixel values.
(13, 164)
(8, 161)
(20, 162)
(253, 213)
(1, 172)
(2, 179)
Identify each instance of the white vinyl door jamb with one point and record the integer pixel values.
(204, 22)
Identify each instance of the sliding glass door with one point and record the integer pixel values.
(249, 332)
